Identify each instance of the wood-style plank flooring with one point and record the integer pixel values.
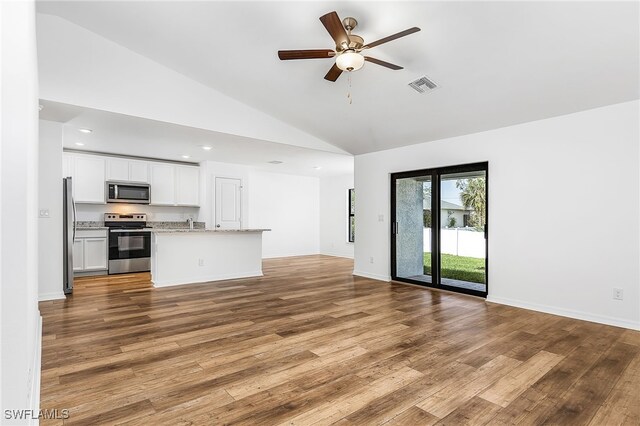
(308, 343)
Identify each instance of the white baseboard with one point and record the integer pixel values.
(200, 280)
(601, 319)
(328, 253)
(377, 277)
(278, 255)
(51, 296)
(34, 391)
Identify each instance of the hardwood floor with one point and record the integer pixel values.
(308, 343)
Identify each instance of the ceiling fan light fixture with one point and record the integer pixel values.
(349, 60)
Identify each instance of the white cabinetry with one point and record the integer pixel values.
(95, 254)
(171, 184)
(163, 184)
(117, 169)
(123, 170)
(174, 185)
(78, 255)
(187, 186)
(88, 173)
(91, 251)
(67, 165)
(139, 171)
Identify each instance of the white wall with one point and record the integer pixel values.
(79, 67)
(574, 167)
(289, 206)
(50, 198)
(334, 219)
(286, 204)
(20, 329)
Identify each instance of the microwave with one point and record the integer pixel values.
(127, 192)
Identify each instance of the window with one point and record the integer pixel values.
(352, 215)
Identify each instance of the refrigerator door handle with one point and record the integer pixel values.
(73, 203)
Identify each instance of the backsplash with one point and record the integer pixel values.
(95, 212)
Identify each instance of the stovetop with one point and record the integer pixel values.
(125, 221)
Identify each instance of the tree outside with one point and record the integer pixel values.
(473, 197)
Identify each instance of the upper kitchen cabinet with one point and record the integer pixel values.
(67, 165)
(138, 171)
(88, 173)
(117, 169)
(163, 184)
(171, 184)
(174, 185)
(187, 186)
(121, 169)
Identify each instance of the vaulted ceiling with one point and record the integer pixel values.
(496, 63)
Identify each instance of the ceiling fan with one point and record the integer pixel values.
(349, 47)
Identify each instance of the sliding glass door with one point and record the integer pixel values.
(439, 228)
(412, 228)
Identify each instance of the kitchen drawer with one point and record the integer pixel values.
(91, 233)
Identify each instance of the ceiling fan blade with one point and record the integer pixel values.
(285, 55)
(333, 73)
(333, 24)
(391, 37)
(383, 63)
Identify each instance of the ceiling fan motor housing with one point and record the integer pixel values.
(355, 41)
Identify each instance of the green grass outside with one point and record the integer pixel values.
(458, 267)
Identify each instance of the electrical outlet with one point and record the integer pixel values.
(44, 213)
(618, 294)
(200, 262)
(371, 259)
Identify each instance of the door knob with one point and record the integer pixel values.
(218, 225)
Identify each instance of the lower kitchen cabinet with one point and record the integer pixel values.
(78, 255)
(91, 252)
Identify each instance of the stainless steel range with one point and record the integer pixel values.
(129, 242)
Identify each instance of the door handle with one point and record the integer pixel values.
(73, 203)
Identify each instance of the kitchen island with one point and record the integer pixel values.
(189, 256)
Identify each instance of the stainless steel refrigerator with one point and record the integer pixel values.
(68, 233)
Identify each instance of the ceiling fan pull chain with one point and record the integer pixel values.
(349, 91)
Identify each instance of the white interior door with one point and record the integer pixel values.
(228, 203)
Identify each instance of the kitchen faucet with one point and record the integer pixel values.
(190, 222)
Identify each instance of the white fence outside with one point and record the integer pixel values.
(459, 242)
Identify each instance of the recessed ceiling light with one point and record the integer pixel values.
(79, 144)
(186, 156)
(85, 130)
(317, 167)
(275, 162)
(206, 147)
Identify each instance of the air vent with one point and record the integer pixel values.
(423, 84)
(275, 162)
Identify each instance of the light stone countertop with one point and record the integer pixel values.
(90, 228)
(204, 231)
